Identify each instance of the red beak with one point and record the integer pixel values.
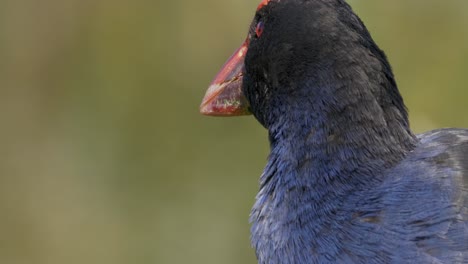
(224, 97)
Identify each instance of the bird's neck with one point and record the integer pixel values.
(317, 154)
(323, 151)
(341, 127)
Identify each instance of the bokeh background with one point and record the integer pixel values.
(104, 157)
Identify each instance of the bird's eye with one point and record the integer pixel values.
(259, 29)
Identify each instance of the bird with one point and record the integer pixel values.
(346, 180)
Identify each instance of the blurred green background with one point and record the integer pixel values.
(105, 158)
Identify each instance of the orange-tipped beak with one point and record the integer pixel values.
(224, 97)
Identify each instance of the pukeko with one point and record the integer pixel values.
(347, 181)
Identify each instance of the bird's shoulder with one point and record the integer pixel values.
(427, 195)
(440, 157)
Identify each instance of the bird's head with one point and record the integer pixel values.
(314, 55)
